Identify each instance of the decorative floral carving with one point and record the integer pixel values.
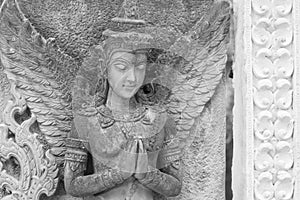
(260, 34)
(283, 34)
(284, 186)
(264, 157)
(264, 128)
(263, 96)
(264, 189)
(261, 7)
(263, 66)
(283, 63)
(282, 8)
(38, 170)
(267, 32)
(283, 125)
(273, 67)
(283, 94)
(284, 156)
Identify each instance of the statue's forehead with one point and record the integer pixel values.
(129, 56)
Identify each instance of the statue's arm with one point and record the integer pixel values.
(76, 183)
(166, 181)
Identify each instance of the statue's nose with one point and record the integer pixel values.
(131, 75)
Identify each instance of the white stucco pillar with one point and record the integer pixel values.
(266, 158)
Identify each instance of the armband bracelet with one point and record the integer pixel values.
(116, 176)
(76, 151)
(152, 178)
(107, 181)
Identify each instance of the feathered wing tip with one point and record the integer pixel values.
(3, 6)
(204, 50)
(38, 77)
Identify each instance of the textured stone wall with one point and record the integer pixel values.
(204, 160)
(77, 25)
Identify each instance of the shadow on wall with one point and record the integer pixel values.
(229, 131)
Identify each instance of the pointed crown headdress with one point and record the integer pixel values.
(134, 33)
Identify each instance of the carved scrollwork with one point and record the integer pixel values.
(273, 70)
(282, 8)
(284, 156)
(263, 96)
(264, 157)
(264, 129)
(283, 94)
(263, 66)
(36, 170)
(283, 63)
(267, 32)
(262, 7)
(284, 125)
(284, 186)
(279, 8)
(260, 33)
(283, 34)
(264, 189)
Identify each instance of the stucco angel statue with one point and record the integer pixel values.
(119, 124)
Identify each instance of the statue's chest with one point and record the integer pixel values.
(120, 134)
(119, 131)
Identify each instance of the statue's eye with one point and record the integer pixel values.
(120, 66)
(141, 66)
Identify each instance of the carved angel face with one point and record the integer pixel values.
(126, 73)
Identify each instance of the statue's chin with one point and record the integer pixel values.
(127, 93)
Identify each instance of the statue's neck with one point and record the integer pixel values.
(117, 103)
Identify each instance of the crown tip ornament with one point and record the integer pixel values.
(135, 33)
(129, 14)
(129, 17)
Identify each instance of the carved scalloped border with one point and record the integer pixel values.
(39, 171)
(267, 94)
(249, 101)
(273, 78)
(296, 103)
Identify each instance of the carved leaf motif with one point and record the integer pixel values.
(284, 67)
(264, 128)
(272, 36)
(264, 189)
(283, 34)
(260, 34)
(264, 157)
(263, 66)
(263, 96)
(283, 96)
(284, 186)
(284, 156)
(262, 7)
(282, 8)
(284, 125)
(38, 169)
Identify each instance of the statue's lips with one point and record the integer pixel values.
(129, 86)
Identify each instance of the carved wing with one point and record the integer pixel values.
(44, 82)
(204, 49)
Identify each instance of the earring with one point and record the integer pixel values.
(101, 92)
